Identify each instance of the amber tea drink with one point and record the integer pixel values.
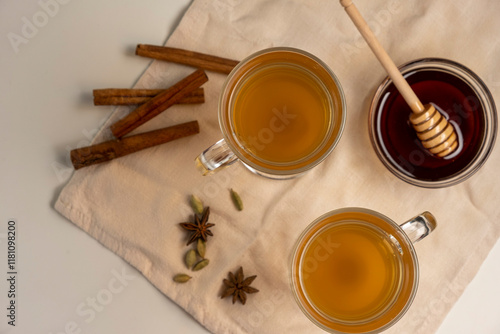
(282, 111)
(356, 271)
(281, 114)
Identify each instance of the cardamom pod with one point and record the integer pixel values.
(238, 203)
(200, 265)
(190, 258)
(196, 204)
(181, 278)
(201, 247)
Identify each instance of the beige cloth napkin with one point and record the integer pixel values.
(133, 205)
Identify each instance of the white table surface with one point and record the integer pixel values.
(46, 110)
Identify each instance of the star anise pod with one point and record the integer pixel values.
(200, 227)
(238, 286)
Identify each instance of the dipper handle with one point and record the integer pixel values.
(397, 78)
(436, 134)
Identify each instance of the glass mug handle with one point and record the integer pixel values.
(215, 158)
(419, 226)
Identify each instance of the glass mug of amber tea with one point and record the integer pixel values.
(281, 112)
(354, 270)
(463, 99)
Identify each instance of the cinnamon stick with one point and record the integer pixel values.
(113, 96)
(186, 57)
(159, 103)
(126, 92)
(109, 150)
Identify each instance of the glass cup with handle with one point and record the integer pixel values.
(354, 270)
(281, 112)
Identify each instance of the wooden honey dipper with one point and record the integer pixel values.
(434, 131)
